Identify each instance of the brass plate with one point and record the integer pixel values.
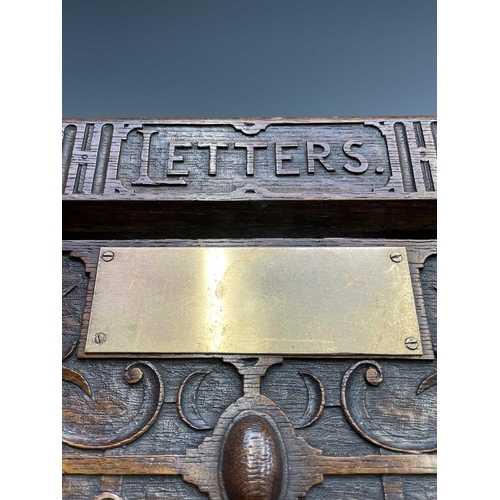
(287, 301)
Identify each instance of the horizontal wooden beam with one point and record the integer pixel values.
(379, 464)
(172, 464)
(121, 464)
(250, 177)
(291, 158)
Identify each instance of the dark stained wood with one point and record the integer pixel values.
(393, 488)
(143, 420)
(355, 404)
(249, 178)
(249, 219)
(224, 427)
(321, 158)
(302, 397)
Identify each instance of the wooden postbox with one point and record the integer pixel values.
(249, 308)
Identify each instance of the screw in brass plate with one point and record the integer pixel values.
(411, 343)
(107, 256)
(100, 338)
(396, 257)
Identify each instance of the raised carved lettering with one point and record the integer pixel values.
(363, 166)
(172, 157)
(144, 179)
(311, 156)
(378, 157)
(212, 169)
(250, 147)
(280, 157)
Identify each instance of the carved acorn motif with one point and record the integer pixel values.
(252, 461)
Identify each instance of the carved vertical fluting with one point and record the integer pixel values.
(80, 174)
(87, 159)
(91, 153)
(422, 153)
(70, 166)
(430, 152)
(434, 131)
(405, 158)
(102, 159)
(69, 135)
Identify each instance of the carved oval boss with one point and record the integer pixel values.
(252, 462)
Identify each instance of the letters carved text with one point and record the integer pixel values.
(179, 159)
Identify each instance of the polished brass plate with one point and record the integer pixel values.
(287, 301)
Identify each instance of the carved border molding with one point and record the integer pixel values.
(93, 156)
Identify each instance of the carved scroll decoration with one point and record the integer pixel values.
(253, 451)
(356, 411)
(188, 392)
(278, 463)
(150, 408)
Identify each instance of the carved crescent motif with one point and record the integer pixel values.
(68, 351)
(186, 401)
(428, 382)
(75, 378)
(150, 408)
(357, 414)
(315, 400)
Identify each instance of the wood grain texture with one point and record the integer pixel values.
(172, 464)
(249, 178)
(142, 420)
(356, 404)
(348, 488)
(264, 427)
(319, 158)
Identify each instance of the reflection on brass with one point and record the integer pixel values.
(287, 301)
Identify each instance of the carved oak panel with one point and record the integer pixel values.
(249, 178)
(230, 427)
(321, 158)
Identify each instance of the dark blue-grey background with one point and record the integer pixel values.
(194, 58)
